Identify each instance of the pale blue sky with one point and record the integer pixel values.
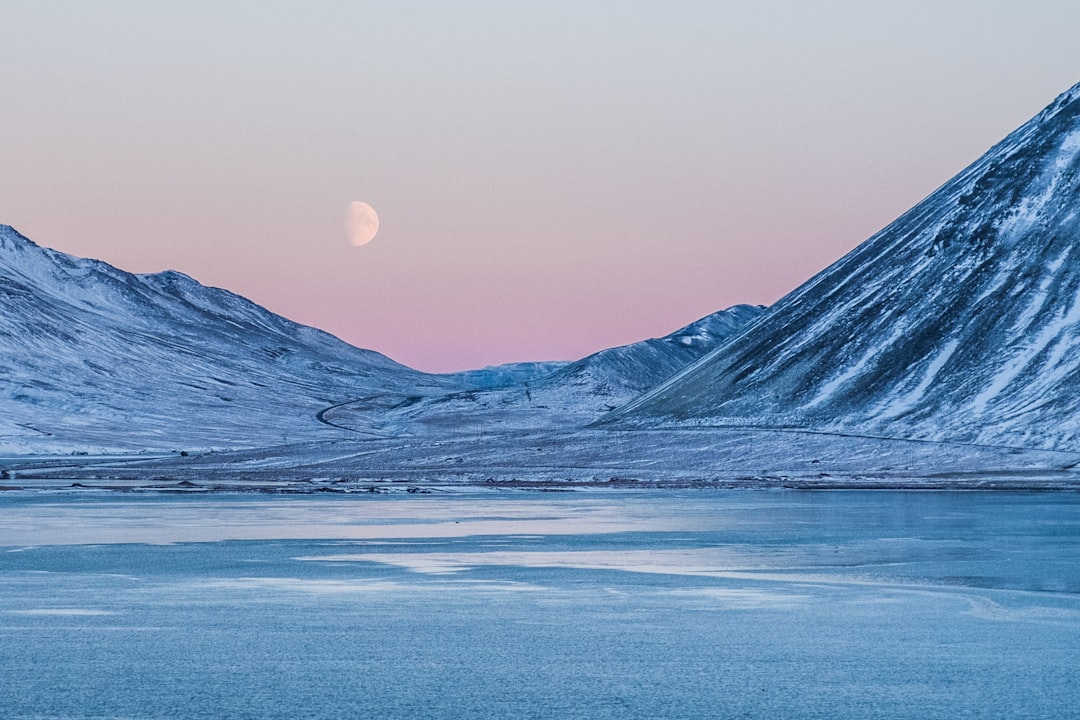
(552, 178)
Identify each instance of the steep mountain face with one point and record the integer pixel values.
(959, 321)
(567, 395)
(94, 358)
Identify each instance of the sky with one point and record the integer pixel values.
(551, 178)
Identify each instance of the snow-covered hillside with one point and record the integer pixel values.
(95, 358)
(568, 395)
(959, 321)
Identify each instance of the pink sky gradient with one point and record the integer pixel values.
(551, 179)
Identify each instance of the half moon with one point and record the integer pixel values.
(361, 223)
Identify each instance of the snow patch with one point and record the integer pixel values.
(910, 400)
(1017, 365)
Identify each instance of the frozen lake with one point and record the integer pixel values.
(646, 604)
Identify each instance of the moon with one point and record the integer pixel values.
(361, 223)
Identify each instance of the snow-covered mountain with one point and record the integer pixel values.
(553, 396)
(621, 373)
(959, 321)
(95, 358)
(494, 377)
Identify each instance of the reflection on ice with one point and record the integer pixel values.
(708, 562)
(986, 609)
(746, 598)
(354, 587)
(163, 520)
(59, 612)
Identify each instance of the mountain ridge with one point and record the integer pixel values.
(568, 395)
(94, 357)
(97, 359)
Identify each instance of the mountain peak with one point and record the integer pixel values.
(958, 321)
(12, 239)
(96, 357)
(1070, 95)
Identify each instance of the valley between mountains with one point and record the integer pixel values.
(942, 352)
